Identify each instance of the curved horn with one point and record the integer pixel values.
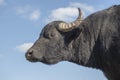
(69, 26)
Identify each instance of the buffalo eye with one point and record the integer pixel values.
(49, 35)
(46, 35)
(52, 35)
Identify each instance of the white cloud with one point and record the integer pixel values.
(24, 47)
(35, 15)
(2, 2)
(70, 12)
(66, 14)
(83, 6)
(28, 13)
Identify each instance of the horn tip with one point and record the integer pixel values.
(80, 13)
(79, 10)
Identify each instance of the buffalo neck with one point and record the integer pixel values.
(83, 45)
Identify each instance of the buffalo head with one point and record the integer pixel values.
(55, 42)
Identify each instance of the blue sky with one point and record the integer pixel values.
(21, 22)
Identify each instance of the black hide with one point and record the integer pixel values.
(95, 43)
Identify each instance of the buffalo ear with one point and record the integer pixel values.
(71, 35)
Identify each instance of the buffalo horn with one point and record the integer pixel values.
(65, 27)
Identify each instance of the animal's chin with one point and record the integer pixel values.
(43, 60)
(33, 60)
(48, 62)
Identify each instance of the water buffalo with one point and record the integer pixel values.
(91, 42)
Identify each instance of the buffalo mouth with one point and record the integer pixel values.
(43, 59)
(31, 58)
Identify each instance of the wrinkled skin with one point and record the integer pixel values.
(95, 43)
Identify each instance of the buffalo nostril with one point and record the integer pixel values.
(30, 53)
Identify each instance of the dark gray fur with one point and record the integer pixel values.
(95, 43)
